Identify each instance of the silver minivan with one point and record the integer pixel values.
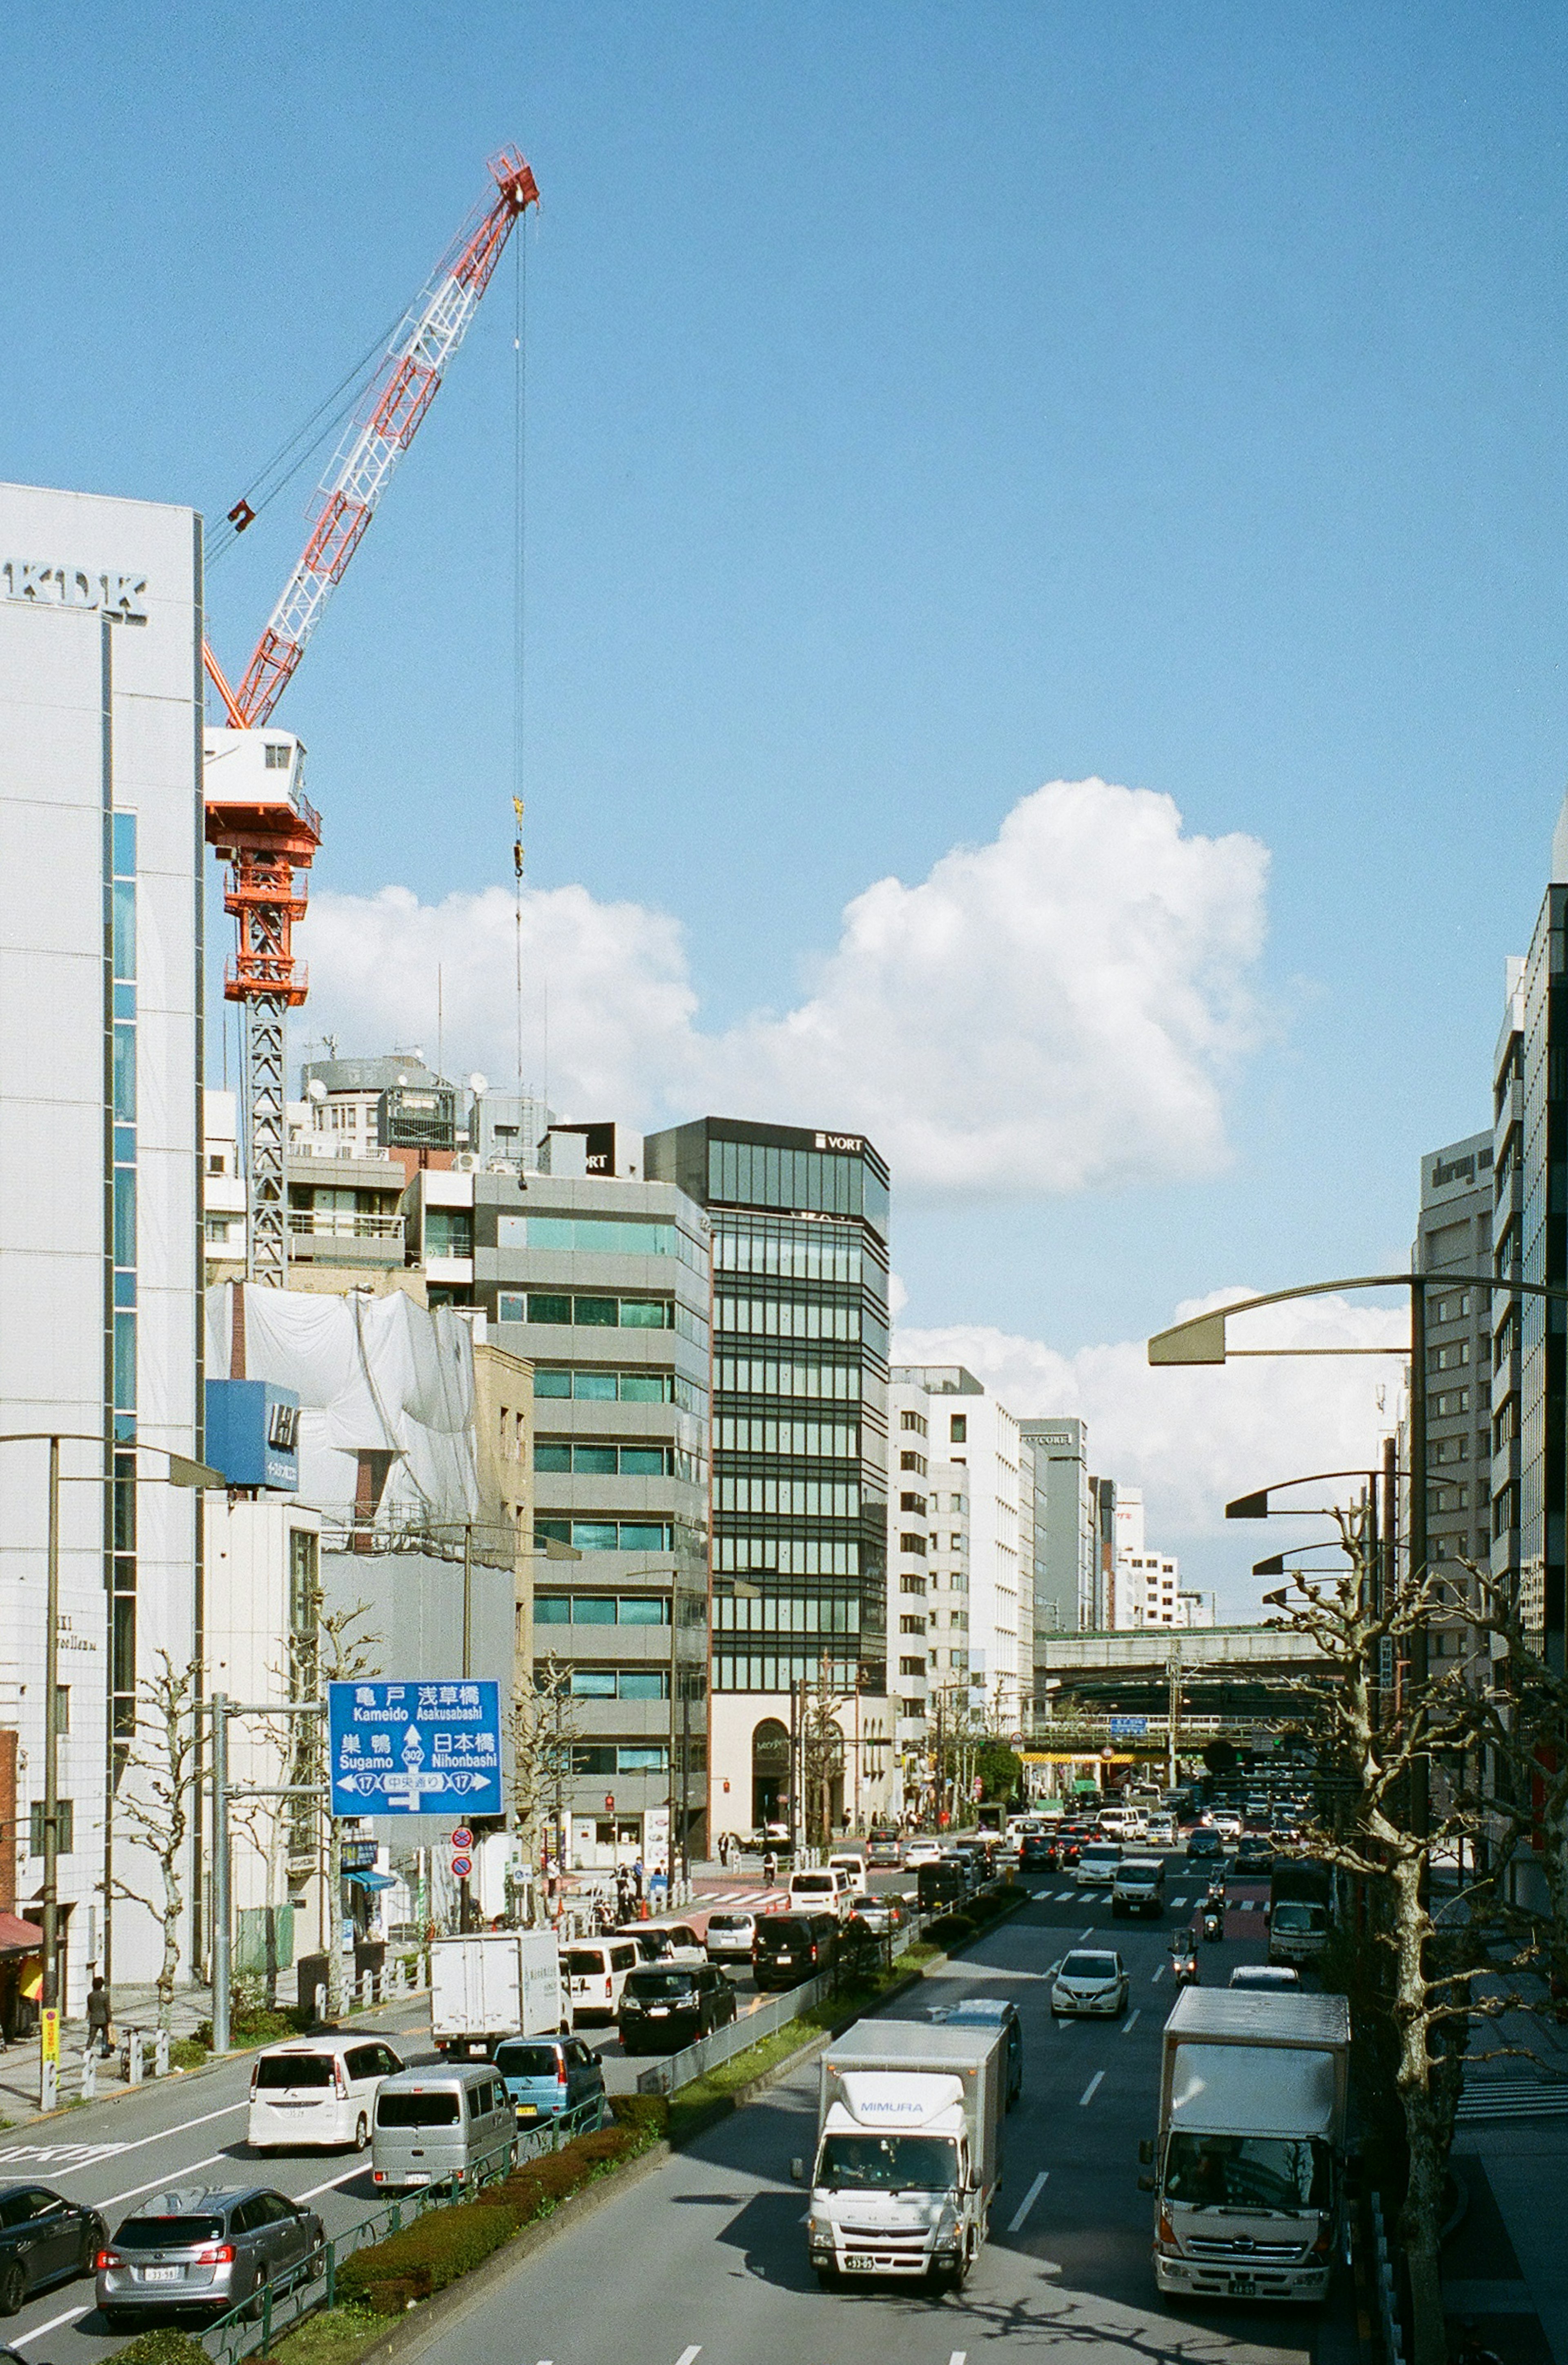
(443, 2126)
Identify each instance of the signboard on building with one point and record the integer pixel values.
(1129, 1728)
(252, 1434)
(415, 1748)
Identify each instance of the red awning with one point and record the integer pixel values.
(18, 1937)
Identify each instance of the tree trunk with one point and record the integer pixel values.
(1421, 2219)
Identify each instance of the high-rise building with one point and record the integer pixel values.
(1507, 1263)
(980, 1652)
(800, 1235)
(1062, 1528)
(1454, 1235)
(1103, 1510)
(101, 823)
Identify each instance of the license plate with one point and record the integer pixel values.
(859, 2266)
(528, 2110)
(161, 2274)
(418, 2176)
(658, 2012)
(1244, 2286)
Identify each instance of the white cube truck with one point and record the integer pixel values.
(491, 1984)
(909, 2150)
(1249, 2166)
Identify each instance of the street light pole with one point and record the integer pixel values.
(51, 1746)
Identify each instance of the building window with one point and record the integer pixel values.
(911, 1584)
(65, 1826)
(916, 1502)
(641, 1758)
(913, 1420)
(911, 1542)
(600, 1610)
(911, 1625)
(958, 1428)
(916, 1462)
(277, 755)
(912, 1667)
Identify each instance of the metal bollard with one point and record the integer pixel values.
(133, 2066)
(161, 2053)
(89, 2075)
(366, 1984)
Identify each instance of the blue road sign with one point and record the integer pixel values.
(416, 1748)
(1129, 1728)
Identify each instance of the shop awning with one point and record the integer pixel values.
(372, 1879)
(18, 1937)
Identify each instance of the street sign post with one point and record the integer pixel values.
(415, 1748)
(462, 1866)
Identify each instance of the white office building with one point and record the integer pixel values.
(101, 859)
(1148, 1589)
(954, 1533)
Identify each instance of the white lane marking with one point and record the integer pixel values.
(1088, 2094)
(53, 2325)
(689, 2356)
(347, 2177)
(1086, 1933)
(1157, 1974)
(96, 2152)
(958, 2357)
(1064, 1897)
(162, 2183)
(1028, 2201)
(1177, 1902)
(1128, 2024)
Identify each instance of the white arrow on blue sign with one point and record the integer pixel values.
(415, 1747)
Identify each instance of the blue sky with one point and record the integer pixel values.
(925, 403)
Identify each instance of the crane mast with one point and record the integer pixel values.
(257, 818)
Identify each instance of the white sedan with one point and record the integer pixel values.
(1089, 1982)
(921, 1851)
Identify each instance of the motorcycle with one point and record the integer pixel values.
(1214, 1921)
(1184, 1962)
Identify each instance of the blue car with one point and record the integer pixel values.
(547, 2075)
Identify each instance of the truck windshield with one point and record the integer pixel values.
(1248, 2172)
(889, 2163)
(1302, 1921)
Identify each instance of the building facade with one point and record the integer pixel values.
(1507, 1263)
(1454, 1235)
(604, 1285)
(1062, 1526)
(800, 1344)
(980, 1647)
(101, 881)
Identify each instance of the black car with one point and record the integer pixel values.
(663, 2010)
(1037, 1854)
(1254, 1855)
(789, 1947)
(43, 2239)
(206, 2248)
(946, 1882)
(1205, 1845)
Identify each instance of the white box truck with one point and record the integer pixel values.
(1248, 2164)
(909, 2150)
(491, 1984)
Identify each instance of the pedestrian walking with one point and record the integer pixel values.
(99, 2018)
(771, 1867)
(723, 1851)
(637, 1881)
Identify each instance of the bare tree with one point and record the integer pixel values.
(1378, 1744)
(821, 1754)
(542, 1726)
(156, 1808)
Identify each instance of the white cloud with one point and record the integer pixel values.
(1054, 1011)
(1194, 1438)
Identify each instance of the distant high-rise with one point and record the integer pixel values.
(1454, 1235)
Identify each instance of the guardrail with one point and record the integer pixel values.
(251, 2327)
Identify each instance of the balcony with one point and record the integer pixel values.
(336, 1236)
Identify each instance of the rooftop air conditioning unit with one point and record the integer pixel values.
(466, 1163)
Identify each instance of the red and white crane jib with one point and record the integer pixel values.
(416, 357)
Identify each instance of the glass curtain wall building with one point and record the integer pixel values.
(800, 1224)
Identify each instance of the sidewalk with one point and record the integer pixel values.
(134, 2008)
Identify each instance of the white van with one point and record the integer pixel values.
(826, 1891)
(854, 1870)
(444, 2126)
(593, 1972)
(316, 2092)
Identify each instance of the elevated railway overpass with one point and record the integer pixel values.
(1225, 1682)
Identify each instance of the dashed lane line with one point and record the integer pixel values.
(689, 2356)
(1131, 2020)
(333, 2181)
(1028, 2201)
(70, 2316)
(1088, 2094)
(1157, 1974)
(1086, 1933)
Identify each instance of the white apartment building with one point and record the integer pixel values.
(1149, 1582)
(101, 862)
(954, 1551)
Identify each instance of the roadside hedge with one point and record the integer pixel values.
(446, 2244)
(163, 2346)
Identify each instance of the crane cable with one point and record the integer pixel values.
(520, 521)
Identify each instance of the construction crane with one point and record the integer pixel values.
(257, 818)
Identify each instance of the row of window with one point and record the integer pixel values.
(592, 1384)
(821, 1498)
(120, 928)
(782, 1615)
(601, 1236)
(774, 1317)
(835, 1441)
(583, 1312)
(787, 1555)
(619, 1683)
(620, 1758)
(615, 1460)
(606, 1535)
(792, 1251)
(600, 1610)
(769, 1672)
(762, 1375)
(756, 1174)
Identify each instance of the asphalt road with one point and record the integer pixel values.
(710, 2265)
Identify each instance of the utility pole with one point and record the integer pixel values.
(221, 1907)
(1173, 1711)
(50, 2054)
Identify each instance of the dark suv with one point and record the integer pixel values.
(789, 1947)
(206, 2246)
(663, 2010)
(1036, 1853)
